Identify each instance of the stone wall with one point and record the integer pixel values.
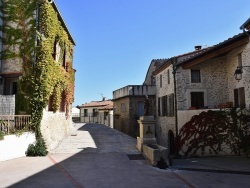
(234, 84)
(164, 123)
(54, 128)
(217, 83)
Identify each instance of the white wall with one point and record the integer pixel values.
(13, 147)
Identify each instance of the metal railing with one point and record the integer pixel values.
(9, 124)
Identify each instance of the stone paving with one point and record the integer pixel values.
(96, 156)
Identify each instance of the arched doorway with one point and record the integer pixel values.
(171, 142)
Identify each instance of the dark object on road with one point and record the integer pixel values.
(162, 164)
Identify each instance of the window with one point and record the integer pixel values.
(166, 105)
(161, 80)
(197, 100)
(10, 86)
(14, 88)
(195, 76)
(168, 77)
(85, 111)
(239, 98)
(140, 108)
(64, 60)
(50, 105)
(62, 104)
(239, 56)
(95, 112)
(57, 50)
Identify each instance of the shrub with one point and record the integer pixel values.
(37, 149)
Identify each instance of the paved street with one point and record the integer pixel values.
(97, 156)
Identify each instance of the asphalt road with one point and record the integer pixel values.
(95, 155)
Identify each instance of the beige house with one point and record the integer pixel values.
(200, 80)
(97, 112)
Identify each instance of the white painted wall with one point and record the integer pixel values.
(13, 147)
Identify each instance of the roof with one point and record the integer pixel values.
(63, 22)
(177, 58)
(107, 104)
(246, 25)
(219, 49)
(191, 58)
(155, 63)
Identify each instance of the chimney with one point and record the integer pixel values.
(198, 47)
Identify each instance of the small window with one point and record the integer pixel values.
(195, 76)
(85, 111)
(168, 77)
(63, 102)
(95, 112)
(239, 56)
(161, 80)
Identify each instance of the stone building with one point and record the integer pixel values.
(19, 62)
(129, 102)
(129, 106)
(200, 80)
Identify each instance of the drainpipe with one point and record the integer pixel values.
(173, 62)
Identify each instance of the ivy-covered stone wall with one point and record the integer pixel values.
(37, 44)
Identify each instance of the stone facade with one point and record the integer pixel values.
(164, 123)
(217, 83)
(129, 106)
(54, 128)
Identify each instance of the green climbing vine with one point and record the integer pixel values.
(32, 46)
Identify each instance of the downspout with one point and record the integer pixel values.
(1, 35)
(173, 62)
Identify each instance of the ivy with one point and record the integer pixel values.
(216, 131)
(42, 75)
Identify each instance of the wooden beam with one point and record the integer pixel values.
(216, 53)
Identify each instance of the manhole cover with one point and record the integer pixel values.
(135, 156)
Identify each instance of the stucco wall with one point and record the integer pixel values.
(15, 146)
(54, 128)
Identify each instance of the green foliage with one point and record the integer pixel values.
(216, 131)
(33, 45)
(1, 135)
(37, 149)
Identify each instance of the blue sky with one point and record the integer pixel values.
(117, 39)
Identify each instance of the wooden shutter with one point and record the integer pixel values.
(236, 98)
(242, 97)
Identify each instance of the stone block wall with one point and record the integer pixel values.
(234, 84)
(54, 128)
(164, 123)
